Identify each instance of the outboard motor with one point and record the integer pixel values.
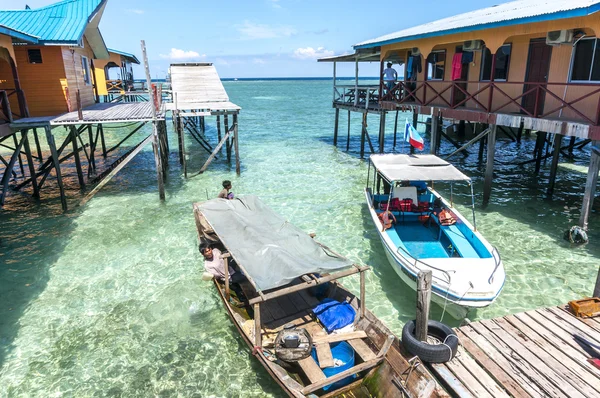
(292, 344)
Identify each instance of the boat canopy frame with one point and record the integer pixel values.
(395, 168)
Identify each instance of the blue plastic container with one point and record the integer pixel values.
(344, 353)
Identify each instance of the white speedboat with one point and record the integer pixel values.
(430, 234)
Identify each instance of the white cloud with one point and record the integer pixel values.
(136, 11)
(311, 53)
(259, 61)
(251, 31)
(275, 4)
(178, 54)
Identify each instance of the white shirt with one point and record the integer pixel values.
(390, 74)
(216, 266)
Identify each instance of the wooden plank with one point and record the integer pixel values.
(532, 343)
(332, 338)
(495, 371)
(451, 381)
(324, 355)
(591, 328)
(362, 349)
(509, 364)
(559, 350)
(572, 326)
(342, 375)
(464, 360)
(468, 380)
(519, 358)
(298, 301)
(312, 371)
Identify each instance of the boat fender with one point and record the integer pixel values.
(433, 353)
(576, 235)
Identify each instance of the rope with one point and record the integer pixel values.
(449, 348)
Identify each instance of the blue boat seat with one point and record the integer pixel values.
(459, 241)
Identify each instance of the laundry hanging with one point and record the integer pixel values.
(457, 66)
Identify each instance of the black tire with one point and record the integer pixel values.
(433, 353)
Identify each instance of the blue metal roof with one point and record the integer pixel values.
(506, 14)
(17, 35)
(129, 57)
(60, 23)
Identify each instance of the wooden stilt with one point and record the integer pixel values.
(38, 146)
(18, 152)
(415, 122)
(435, 125)
(9, 168)
(540, 143)
(56, 162)
(182, 154)
(74, 135)
(336, 126)
(554, 167)
(202, 125)
(34, 184)
(219, 128)
(438, 135)
(236, 144)
(348, 138)
(92, 164)
(382, 132)
(257, 326)
(571, 145)
(101, 129)
(363, 130)
(520, 133)
(228, 145)
(489, 169)
(217, 149)
(590, 189)
(461, 129)
(395, 128)
(482, 143)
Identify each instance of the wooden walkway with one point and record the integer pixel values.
(530, 354)
(97, 113)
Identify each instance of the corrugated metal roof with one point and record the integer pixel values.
(512, 13)
(129, 57)
(60, 23)
(5, 30)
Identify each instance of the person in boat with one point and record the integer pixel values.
(387, 219)
(225, 194)
(214, 264)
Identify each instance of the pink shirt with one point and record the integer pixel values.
(216, 266)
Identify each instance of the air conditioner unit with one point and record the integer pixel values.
(557, 37)
(472, 45)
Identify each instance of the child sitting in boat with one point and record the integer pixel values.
(214, 264)
(386, 218)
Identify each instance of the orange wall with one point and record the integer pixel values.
(519, 37)
(75, 77)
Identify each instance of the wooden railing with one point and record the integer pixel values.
(5, 112)
(568, 101)
(362, 96)
(119, 85)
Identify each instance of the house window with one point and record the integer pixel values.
(436, 62)
(502, 64)
(34, 56)
(585, 62)
(85, 66)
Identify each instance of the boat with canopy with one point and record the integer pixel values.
(420, 230)
(313, 336)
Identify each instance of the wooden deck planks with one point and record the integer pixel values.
(530, 354)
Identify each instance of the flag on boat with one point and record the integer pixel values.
(412, 136)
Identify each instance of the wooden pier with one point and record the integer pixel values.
(529, 354)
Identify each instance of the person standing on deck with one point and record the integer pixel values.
(390, 76)
(225, 194)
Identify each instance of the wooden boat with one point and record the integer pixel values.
(287, 273)
(467, 270)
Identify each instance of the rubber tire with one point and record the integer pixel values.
(432, 353)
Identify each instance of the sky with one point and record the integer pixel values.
(258, 38)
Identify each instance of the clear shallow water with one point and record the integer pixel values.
(108, 300)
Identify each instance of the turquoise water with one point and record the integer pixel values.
(108, 301)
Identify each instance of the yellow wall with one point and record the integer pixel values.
(99, 65)
(519, 37)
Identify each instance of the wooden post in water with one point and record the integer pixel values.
(489, 168)
(37, 146)
(423, 302)
(554, 167)
(415, 123)
(101, 131)
(348, 138)
(435, 125)
(155, 148)
(539, 145)
(228, 144)
(74, 134)
(219, 128)
(34, 184)
(236, 144)
(395, 128)
(335, 126)
(362, 135)
(590, 187)
(382, 132)
(56, 162)
(92, 164)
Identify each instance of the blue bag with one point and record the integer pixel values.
(334, 315)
